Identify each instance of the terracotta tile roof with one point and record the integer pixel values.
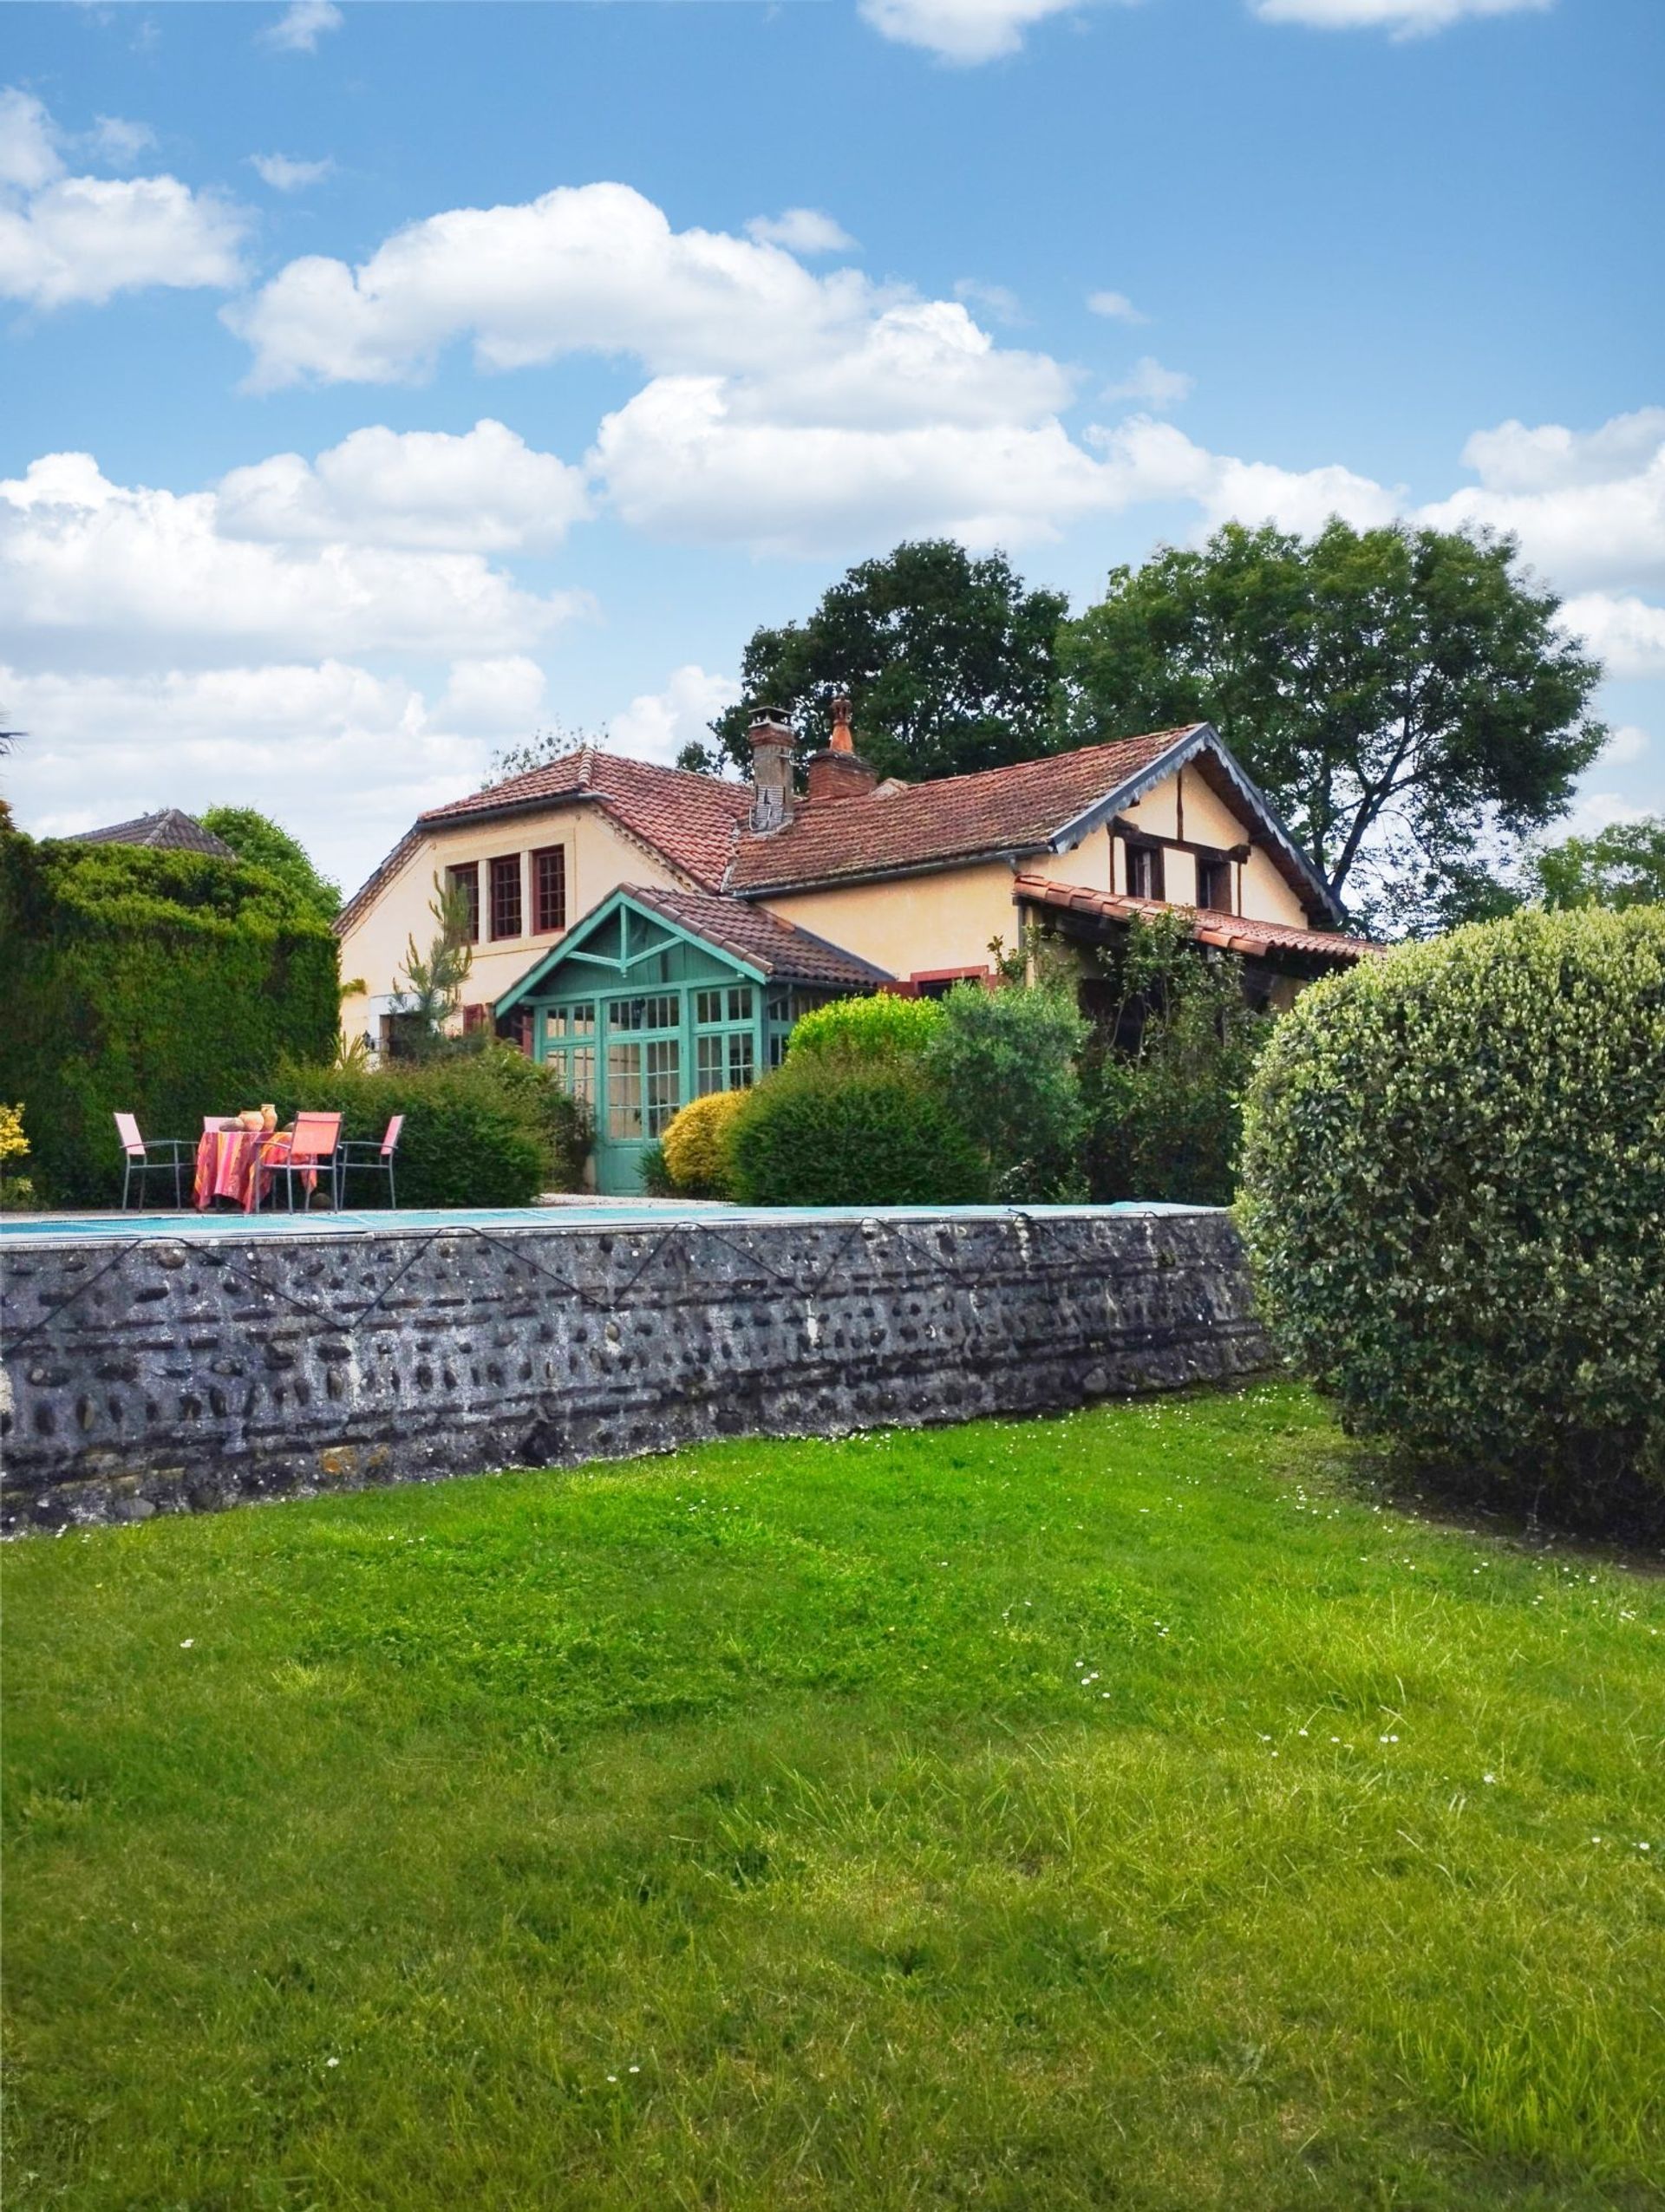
(781, 949)
(1231, 932)
(689, 819)
(171, 829)
(957, 818)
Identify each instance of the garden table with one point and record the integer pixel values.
(232, 1163)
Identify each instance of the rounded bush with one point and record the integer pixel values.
(882, 1027)
(837, 1131)
(696, 1145)
(1454, 1197)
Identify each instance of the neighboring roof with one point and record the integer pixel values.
(774, 949)
(777, 947)
(170, 829)
(687, 820)
(1230, 932)
(1022, 808)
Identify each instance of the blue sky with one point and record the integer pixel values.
(381, 382)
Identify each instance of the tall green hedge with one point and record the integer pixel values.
(171, 984)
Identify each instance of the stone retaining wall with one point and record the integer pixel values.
(169, 1374)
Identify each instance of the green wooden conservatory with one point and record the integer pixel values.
(657, 997)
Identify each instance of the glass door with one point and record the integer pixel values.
(641, 1083)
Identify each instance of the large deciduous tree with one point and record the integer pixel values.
(948, 661)
(1403, 695)
(1621, 865)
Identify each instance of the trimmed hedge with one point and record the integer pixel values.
(825, 1130)
(882, 1027)
(479, 1127)
(697, 1145)
(1007, 1059)
(1454, 1194)
(171, 984)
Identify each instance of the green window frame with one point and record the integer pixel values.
(725, 1037)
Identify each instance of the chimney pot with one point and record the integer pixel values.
(839, 771)
(842, 739)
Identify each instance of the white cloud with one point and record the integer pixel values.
(66, 239)
(495, 697)
(801, 230)
(1148, 384)
(1624, 632)
(1593, 811)
(343, 757)
(1406, 18)
(150, 578)
(1588, 506)
(962, 31)
(299, 30)
(119, 142)
(1627, 743)
(284, 175)
(1154, 460)
(486, 492)
(996, 300)
(657, 724)
(29, 142)
(1116, 306)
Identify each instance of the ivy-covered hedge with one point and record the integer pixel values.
(481, 1128)
(1455, 1195)
(171, 984)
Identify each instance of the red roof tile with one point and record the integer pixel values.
(765, 940)
(689, 819)
(1231, 932)
(957, 818)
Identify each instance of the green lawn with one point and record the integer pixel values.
(1122, 1810)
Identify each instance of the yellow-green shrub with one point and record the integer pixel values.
(695, 1144)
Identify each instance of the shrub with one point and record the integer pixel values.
(881, 1027)
(168, 983)
(1164, 1078)
(1454, 1193)
(655, 1175)
(697, 1145)
(1007, 1059)
(476, 1132)
(827, 1130)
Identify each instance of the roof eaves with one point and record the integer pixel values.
(935, 866)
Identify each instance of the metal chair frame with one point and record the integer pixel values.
(295, 1162)
(136, 1160)
(365, 1154)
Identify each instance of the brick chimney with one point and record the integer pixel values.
(839, 771)
(771, 794)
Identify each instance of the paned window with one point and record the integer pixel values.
(573, 1020)
(723, 1061)
(466, 880)
(1214, 882)
(659, 1012)
(549, 889)
(734, 1004)
(664, 1061)
(625, 1092)
(506, 896)
(1145, 871)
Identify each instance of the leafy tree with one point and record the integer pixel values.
(435, 979)
(1623, 866)
(539, 749)
(1402, 695)
(948, 661)
(255, 838)
(1005, 1061)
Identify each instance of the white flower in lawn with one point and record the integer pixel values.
(187, 1643)
(1488, 1777)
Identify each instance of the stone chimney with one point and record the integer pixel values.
(839, 771)
(771, 794)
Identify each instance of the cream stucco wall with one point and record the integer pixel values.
(599, 860)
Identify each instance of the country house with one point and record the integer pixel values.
(653, 934)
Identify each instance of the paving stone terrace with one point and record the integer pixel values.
(176, 1365)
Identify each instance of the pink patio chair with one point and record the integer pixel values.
(143, 1156)
(314, 1149)
(362, 1155)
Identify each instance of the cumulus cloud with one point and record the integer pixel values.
(1147, 383)
(1406, 18)
(1626, 634)
(343, 757)
(962, 31)
(80, 238)
(495, 697)
(656, 725)
(996, 301)
(118, 142)
(801, 230)
(299, 30)
(152, 577)
(1628, 743)
(284, 175)
(1115, 306)
(1588, 506)
(486, 492)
